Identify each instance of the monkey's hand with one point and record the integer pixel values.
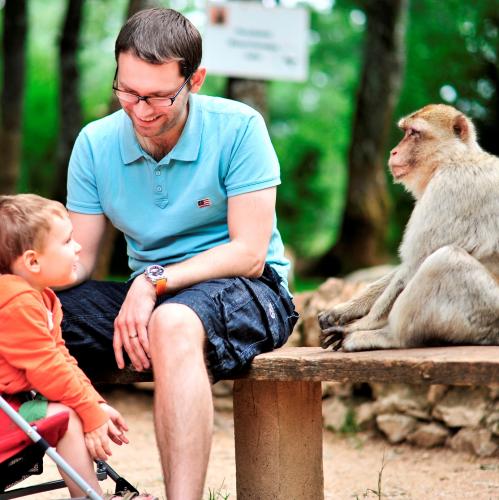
(332, 336)
(341, 314)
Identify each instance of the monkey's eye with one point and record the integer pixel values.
(412, 132)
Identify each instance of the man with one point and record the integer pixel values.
(191, 181)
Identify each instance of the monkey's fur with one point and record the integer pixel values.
(446, 289)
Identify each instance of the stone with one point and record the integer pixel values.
(396, 427)
(436, 392)
(336, 389)
(492, 422)
(222, 389)
(462, 407)
(334, 413)
(428, 435)
(365, 415)
(477, 441)
(402, 398)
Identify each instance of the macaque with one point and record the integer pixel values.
(446, 288)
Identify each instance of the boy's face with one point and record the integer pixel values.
(59, 256)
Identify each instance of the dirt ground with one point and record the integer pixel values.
(351, 464)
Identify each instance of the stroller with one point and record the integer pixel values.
(21, 455)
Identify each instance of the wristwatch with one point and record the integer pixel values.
(157, 276)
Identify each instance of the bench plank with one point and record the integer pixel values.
(456, 365)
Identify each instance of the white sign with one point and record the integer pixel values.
(246, 39)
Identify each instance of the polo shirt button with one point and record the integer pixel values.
(157, 172)
(159, 189)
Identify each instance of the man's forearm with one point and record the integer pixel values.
(223, 261)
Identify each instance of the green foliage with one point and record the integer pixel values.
(452, 50)
(310, 127)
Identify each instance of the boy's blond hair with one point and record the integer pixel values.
(24, 225)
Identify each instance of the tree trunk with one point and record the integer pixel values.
(13, 45)
(363, 230)
(251, 92)
(111, 234)
(70, 112)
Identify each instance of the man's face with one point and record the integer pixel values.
(154, 80)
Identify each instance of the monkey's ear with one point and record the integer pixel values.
(463, 129)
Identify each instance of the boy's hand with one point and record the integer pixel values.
(116, 425)
(97, 442)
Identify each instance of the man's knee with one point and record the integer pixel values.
(176, 330)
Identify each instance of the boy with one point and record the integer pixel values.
(37, 251)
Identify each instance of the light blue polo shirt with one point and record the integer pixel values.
(175, 208)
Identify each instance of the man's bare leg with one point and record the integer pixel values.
(183, 402)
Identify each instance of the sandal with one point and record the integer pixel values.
(129, 496)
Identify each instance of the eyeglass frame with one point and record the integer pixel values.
(146, 98)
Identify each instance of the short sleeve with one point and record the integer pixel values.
(253, 163)
(83, 195)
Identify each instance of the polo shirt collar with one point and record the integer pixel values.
(187, 147)
(189, 143)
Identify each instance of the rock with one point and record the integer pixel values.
(338, 389)
(222, 388)
(429, 435)
(369, 274)
(365, 415)
(401, 398)
(462, 407)
(334, 413)
(396, 427)
(436, 392)
(477, 441)
(494, 391)
(492, 422)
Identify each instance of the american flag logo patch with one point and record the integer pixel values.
(205, 202)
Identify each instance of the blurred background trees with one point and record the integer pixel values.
(371, 61)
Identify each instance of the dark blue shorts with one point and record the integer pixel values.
(242, 317)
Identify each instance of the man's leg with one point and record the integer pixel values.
(183, 401)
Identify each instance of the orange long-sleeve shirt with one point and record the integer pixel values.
(33, 354)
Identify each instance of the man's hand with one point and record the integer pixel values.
(130, 326)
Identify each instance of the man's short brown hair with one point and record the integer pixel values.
(161, 35)
(24, 224)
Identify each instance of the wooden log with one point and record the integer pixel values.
(456, 365)
(278, 435)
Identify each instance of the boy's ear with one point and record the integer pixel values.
(30, 261)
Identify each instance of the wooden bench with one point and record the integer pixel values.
(278, 410)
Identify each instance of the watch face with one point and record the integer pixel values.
(155, 272)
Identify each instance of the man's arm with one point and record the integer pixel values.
(88, 231)
(250, 221)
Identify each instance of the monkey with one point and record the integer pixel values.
(446, 288)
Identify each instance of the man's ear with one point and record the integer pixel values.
(197, 80)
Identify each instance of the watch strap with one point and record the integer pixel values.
(161, 286)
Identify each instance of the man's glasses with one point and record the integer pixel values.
(155, 102)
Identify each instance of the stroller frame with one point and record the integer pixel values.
(103, 469)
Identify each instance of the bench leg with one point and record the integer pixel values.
(278, 435)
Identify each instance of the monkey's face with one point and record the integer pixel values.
(431, 136)
(408, 160)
